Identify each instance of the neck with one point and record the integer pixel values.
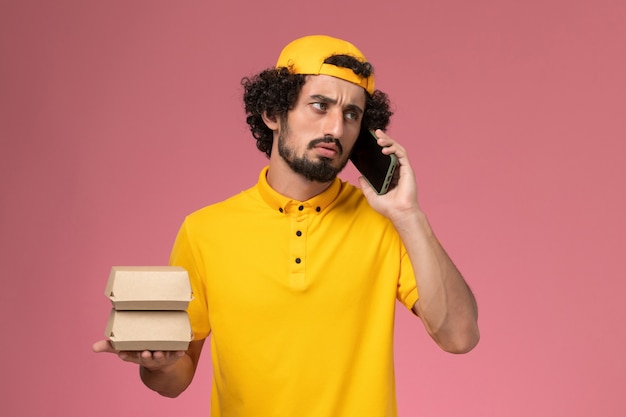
(286, 182)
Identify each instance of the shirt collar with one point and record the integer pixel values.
(281, 203)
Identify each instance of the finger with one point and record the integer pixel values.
(103, 346)
(158, 359)
(384, 139)
(130, 356)
(366, 188)
(391, 146)
(147, 355)
(380, 134)
(139, 357)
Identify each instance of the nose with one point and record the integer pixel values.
(333, 124)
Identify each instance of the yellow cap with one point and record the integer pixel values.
(306, 56)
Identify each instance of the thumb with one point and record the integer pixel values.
(103, 346)
(366, 187)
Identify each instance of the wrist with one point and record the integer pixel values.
(412, 221)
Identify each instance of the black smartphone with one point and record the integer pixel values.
(376, 167)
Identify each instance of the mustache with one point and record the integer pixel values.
(326, 139)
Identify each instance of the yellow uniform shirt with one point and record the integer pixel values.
(299, 299)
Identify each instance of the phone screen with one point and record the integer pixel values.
(376, 167)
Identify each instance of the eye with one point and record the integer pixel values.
(320, 106)
(352, 115)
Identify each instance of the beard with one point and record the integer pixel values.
(320, 169)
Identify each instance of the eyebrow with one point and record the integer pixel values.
(326, 99)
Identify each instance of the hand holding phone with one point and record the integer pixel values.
(376, 167)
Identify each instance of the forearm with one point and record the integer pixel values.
(446, 304)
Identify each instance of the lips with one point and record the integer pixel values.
(328, 150)
(327, 147)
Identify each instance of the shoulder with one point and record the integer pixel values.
(351, 202)
(352, 198)
(238, 204)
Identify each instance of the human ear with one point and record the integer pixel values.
(270, 121)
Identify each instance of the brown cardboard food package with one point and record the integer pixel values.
(149, 288)
(149, 330)
(149, 308)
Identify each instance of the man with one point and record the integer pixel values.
(296, 279)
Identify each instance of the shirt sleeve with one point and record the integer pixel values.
(186, 255)
(407, 287)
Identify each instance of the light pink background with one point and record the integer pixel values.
(117, 118)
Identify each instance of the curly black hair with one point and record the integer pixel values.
(275, 91)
